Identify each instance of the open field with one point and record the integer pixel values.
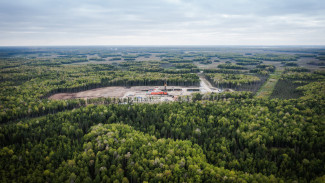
(266, 90)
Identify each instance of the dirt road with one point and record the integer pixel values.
(205, 84)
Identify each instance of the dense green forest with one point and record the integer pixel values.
(203, 137)
(235, 81)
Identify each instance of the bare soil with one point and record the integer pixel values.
(94, 93)
(118, 92)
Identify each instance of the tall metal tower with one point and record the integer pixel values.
(165, 84)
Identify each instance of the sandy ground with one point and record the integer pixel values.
(94, 93)
(119, 92)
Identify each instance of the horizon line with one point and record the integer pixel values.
(289, 45)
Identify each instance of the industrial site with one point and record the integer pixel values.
(142, 93)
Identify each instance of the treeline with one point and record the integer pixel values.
(184, 65)
(321, 57)
(276, 57)
(177, 60)
(316, 63)
(263, 69)
(291, 64)
(255, 59)
(152, 79)
(224, 96)
(296, 69)
(238, 82)
(302, 76)
(151, 66)
(225, 71)
(143, 66)
(230, 66)
(247, 61)
(181, 71)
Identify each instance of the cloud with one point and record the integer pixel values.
(161, 22)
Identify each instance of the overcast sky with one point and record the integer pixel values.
(162, 22)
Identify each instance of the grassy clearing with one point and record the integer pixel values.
(266, 90)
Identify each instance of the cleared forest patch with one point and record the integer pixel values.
(94, 93)
(266, 90)
(127, 92)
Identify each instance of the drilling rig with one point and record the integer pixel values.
(161, 92)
